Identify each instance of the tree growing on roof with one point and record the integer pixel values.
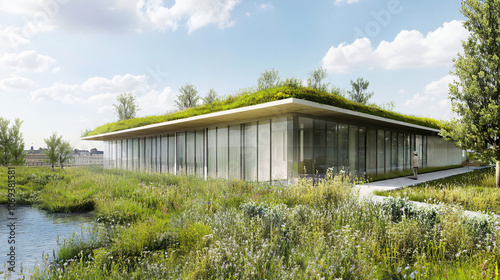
(268, 79)
(475, 92)
(126, 107)
(359, 91)
(315, 79)
(188, 97)
(211, 97)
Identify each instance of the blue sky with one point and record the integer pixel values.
(63, 62)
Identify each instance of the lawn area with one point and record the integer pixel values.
(473, 191)
(157, 226)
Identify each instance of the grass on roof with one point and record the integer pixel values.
(264, 96)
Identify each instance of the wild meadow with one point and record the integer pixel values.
(157, 226)
(473, 191)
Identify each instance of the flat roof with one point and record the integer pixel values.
(269, 109)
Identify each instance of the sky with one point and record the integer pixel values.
(63, 62)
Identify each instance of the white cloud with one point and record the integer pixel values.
(266, 7)
(155, 100)
(194, 13)
(410, 49)
(60, 92)
(119, 83)
(10, 38)
(433, 102)
(17, 82)
(338, 2)
(26, 61)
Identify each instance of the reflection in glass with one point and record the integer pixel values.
(250, 151)
(235, 152)
(264, 150)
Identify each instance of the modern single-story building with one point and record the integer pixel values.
(279, 140)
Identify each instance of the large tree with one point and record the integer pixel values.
(11, 143)
(64, 152)
(475, 92)
(126, 107)
(52, 152)
(359, 91)
(268, 79)
(188, 97)
(316, 78)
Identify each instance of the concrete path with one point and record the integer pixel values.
(366, 190)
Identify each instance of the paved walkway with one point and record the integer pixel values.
(366, 190)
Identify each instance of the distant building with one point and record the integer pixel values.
(78, 157)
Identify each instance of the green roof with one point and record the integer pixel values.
(264, 96)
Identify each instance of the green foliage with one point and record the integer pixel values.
(291, 83)
(475, 93)
(268, 79)
(185, 228)
(52, 143)
(64, 151)
(315, 79)
(211, 97)
(358, 92)
(126, 107)
(58, 150)
(247, 98)
(473, 191)
(11, 143)
(188, 97)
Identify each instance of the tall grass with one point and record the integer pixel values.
(473, 191)
(167, 227)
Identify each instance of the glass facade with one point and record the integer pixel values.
(274, 149)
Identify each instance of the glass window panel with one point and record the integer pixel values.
(407, 151)
(305, 146)
(343, 146)
(181, 152)
(212, 152)
(319, 147)
(353, 150)
(130, 154)
(171, 154)
(164, 154)
(332, 146)
(424, 151)
(153, 154)
(380, 151)
(371, 151)
(250, 142)
(147, 158)
(394, 151)
(387, 151)
(264, 150)
(118, 154)
(362, 152)
(190, 152)
(235, 152)
(200, 153)
(418, 148)
(135, 154)
(142, 154)
(279, 159)
(401, 155)
(222, 152)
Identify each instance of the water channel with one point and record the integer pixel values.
(36, 235)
